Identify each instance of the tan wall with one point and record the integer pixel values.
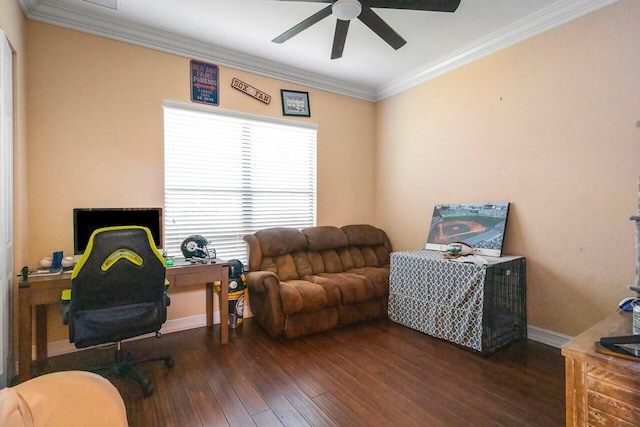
(96, 137)
(13, 24)
(549, 125)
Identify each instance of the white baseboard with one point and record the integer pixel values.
(545, 336)
(57, 348)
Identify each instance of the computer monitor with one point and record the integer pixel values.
(87, 220)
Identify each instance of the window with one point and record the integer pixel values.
(228, 174)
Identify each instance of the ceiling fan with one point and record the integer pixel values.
(346, 10)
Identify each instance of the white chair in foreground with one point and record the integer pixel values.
(69, 398)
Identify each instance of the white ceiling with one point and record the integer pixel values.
(238, 34)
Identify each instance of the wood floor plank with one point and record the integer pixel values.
(303, 403)
(392, 397)
(236, 374)
(338, 387)
(371, 374)
(427, 375)
(342, 415)
(488, 376)
(267, 419)
(231, 405)
(278, 402)
(194, 393)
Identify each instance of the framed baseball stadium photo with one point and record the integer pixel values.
(479, 225)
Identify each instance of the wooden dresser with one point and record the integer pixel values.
(601, 390)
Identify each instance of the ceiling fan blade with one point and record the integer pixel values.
(313, 19)
(432, 5)
(381, 28)
(339, 38)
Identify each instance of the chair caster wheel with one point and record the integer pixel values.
(169, 362)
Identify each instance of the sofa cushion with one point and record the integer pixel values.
(301, 260)
(325, 237)
(331, 261)
(368, 247)
(356, 256)
(316, 262)
(353, 287)
(326, 261)
(277, 246)
(364, 256)
(345, 258)
(282, 265)
(305, 296)
(379, 277)
(280, 241)
(384, 255)
(363, 234)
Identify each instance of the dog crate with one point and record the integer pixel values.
(481, 307)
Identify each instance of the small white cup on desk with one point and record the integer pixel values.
(46, 262)
(68, 261)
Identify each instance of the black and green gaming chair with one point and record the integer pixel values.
(119, 291)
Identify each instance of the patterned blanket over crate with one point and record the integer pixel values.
(477, 306)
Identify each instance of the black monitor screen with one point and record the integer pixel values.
(86, 221)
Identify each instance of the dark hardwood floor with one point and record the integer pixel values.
(372, 374)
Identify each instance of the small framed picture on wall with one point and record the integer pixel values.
(295, 103)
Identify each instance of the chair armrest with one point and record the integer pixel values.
(65, 304)
(167, 298)
(262, 281)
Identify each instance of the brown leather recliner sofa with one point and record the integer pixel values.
(309, 281)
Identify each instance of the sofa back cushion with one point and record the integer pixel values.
(368, 247)
(322, 243)
(280, 241)
(278, 246)
(291, 253)
(325, 237)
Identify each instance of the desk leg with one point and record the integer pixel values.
(224, 307)
(24, 334)
(210, 287)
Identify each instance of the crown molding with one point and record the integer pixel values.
(555, 15)
(125, 31)
(27, 6)
(550, 17)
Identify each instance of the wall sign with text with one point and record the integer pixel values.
(250, 90)
(204, 82)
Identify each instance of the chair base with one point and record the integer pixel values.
(124, 366)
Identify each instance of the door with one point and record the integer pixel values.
(6, 208)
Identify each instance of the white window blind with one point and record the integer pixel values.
(228, 174)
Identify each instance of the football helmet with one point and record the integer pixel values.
(195, 246)
(235, 268)
(236, 275)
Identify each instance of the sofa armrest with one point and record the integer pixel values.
(262, 281)
(266, 303)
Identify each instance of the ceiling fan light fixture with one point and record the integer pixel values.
(346, 10)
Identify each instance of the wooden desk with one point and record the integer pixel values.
(601, 389)
(187, 274)
(39, 291)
